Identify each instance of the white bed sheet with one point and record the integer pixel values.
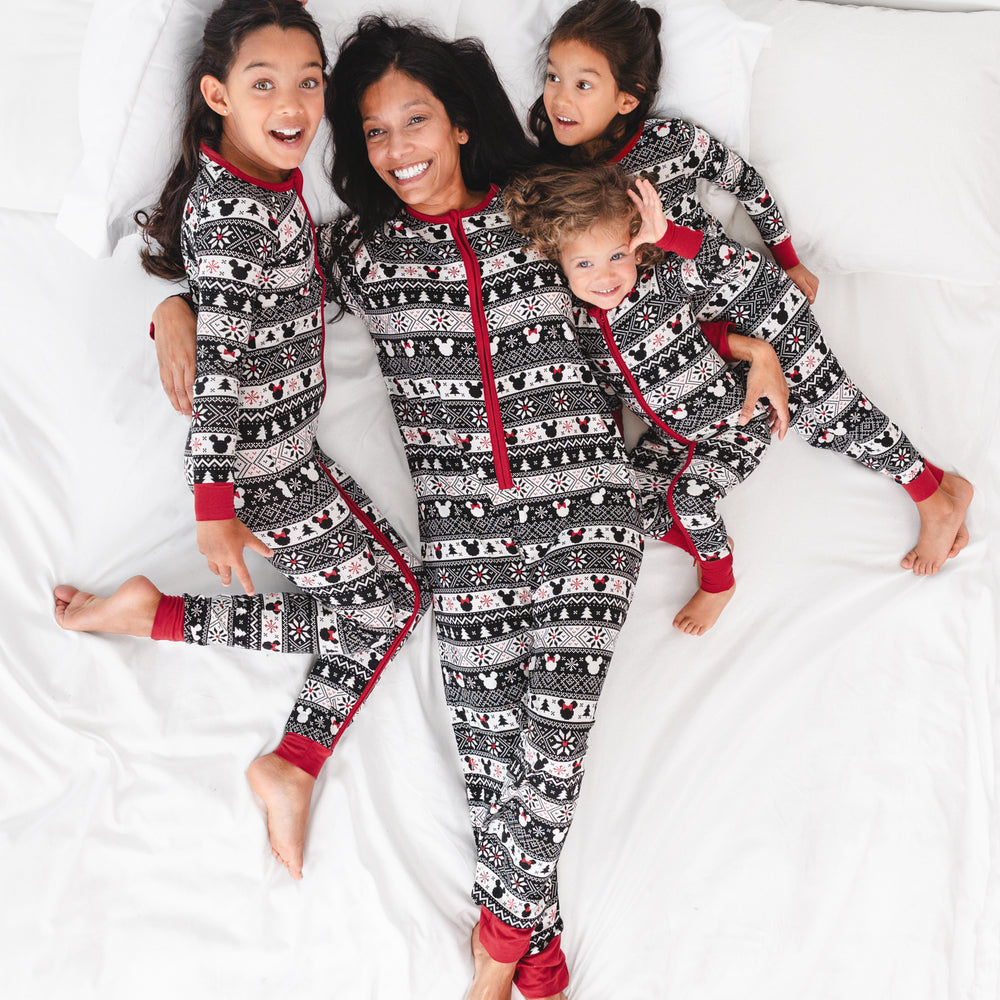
(801, 804)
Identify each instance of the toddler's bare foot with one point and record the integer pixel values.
(286, 791)
(942, 526)
(493, 979)
(130, 610)
(702, 611)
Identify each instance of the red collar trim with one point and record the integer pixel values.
(294, 178)
(464, 213)
(629, 146)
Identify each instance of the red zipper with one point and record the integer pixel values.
(474, 280)
(602, 318)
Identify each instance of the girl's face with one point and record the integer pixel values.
(412, 144)
(598, 264)
(271, 102)
(581, 97)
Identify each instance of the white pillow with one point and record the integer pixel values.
(40, 52)
(878, 132)
(135, 60)
(137, 52)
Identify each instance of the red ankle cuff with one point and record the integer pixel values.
(925, 485)
(502, 942)
(168, 622)
(717, 575)
(544, 974)
(303, 753)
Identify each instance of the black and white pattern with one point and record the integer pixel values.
(529, 525)
(249, 250)
(828, 409)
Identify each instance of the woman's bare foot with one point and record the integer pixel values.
(942, 526)
(493, 979)
(702, 611)
(130, 610)
(286, 791)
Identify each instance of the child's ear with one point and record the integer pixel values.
(214, 92)
(626, 103)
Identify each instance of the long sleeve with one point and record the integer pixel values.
(678, 153)
(227, 245)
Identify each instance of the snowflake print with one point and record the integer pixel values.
(221, 236)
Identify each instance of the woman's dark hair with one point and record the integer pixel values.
(225, 30)
(459, 74)
(628, 36)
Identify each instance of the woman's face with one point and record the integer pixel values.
(412, 144)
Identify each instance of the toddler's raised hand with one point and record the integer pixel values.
(654, 222)
(222, 544)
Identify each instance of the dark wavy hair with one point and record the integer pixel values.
(225, 30)
(458, 73)
(628, 36)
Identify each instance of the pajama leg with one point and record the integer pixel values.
(527, 625)
(828, 409)
(690, 481)
(350, 658)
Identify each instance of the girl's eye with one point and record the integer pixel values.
(263, 85)
(584, 85)
(551, 78)
(416, 120)
(583, 263)
(373, 133)
(617, 256)
(309, 84)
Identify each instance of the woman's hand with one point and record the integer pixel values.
(174, 334)
(803, 279)
(654, 222)
(222, 544)
(765, 379)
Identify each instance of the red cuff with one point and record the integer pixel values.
(168, 622)
(680, 240)
(785, 255)
(717, 575)
(214, 502)
(306, 754)
(502, 942)
(717, 334)
(152, 330)
(925, 485)
(544, 974)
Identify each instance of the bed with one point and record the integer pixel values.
(802, 803)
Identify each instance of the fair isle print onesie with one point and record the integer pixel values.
(249, 252)
(529, 525)
(829, 410)
(651, 352)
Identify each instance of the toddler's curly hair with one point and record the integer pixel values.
(551, 204)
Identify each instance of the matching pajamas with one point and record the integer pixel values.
(529, 526)
(827, 408)
(652, 353)
(249, 250)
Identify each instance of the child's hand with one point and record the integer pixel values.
(222, 544)
(806, 282)
(654, 222)
(765, 378)
(174, 325)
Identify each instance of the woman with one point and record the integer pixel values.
(529, 526)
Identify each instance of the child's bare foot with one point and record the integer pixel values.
(702, 611)
(942, 526)
(286, 791)
(493, 979)
(130, 610)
